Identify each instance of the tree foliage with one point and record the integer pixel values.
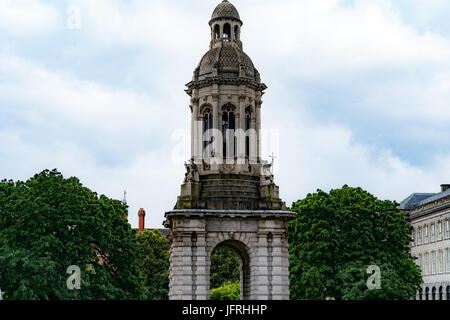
(153, 251)
(228, 291)
(49, 223)
(335, 237)
(225, 266)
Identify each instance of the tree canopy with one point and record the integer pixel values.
(225, 267)
(229, 290)
(49, 223)
(153, 252)
(337, 236)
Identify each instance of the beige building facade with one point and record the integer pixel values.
(429, 215)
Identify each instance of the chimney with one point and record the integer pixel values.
(141, 215)
(445, 187)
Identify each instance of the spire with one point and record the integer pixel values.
(124, 200)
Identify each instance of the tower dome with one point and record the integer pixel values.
(225, 10)
(227, 60)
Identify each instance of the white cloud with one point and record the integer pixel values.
(27, 17)
(120, 138)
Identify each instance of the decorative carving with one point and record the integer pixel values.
(266, 173)
(227, 168)
(206, 166)
(191, 172)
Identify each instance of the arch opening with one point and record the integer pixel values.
(216, 31)
(227, 31)
(230, 271)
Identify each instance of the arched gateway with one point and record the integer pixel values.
(228, 196)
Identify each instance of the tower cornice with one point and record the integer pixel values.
(223, 80)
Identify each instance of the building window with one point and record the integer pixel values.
(427, 265)
(419, 262)
(227, 31)
(216, 31)
(447, 229)
(425, 234)
(419, 236)
(228, 127)
(439, 230)
(433, 262)
(247, 133)
(447, 260)
(433, 232)
(441, 261)
(413, 241)
(207, 132)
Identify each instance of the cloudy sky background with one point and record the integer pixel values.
(359, 93)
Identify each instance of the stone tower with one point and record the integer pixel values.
(228, 196)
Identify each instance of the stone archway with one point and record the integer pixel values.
(242, 252)
(260, 238)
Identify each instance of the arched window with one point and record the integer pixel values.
(420, 294)
(448, 292)
(427, 293)
(227, 30)
(440, 293)
(207, 130)
(236, 32)
(216, 31)
(228, 127)
(433, 293)
(248, 116)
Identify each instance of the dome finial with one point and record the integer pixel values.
(225, 10)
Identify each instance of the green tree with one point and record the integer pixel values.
(153, 251)
(225, 266)
(49, 223)
(228, 291)
(335, 237)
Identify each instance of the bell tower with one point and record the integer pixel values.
(228, 196)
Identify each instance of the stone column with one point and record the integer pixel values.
(241, 131)
(259, 270)
(202, 279)
(258, 104)
(196, 135)
(253, 140)
(216, 126)
(280, 267)
(180, 277)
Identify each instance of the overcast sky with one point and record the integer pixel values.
(358, 93)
